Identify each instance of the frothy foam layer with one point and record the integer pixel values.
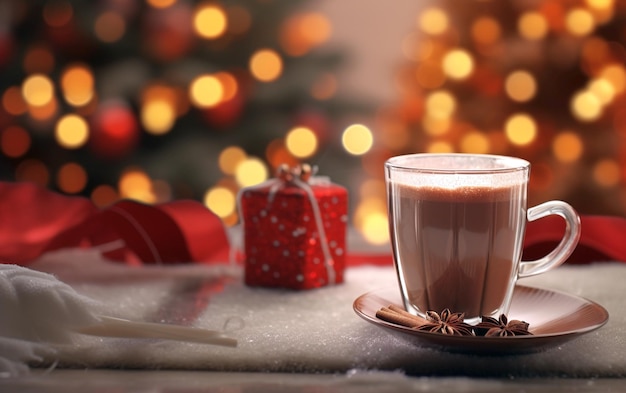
(457, 171)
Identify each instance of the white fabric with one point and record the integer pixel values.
(306, 331)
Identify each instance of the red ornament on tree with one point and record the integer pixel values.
(115, 131)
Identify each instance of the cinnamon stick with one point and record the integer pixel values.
(399, 316)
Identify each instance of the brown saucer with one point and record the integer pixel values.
(554, 317)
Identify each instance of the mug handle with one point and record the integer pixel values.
(565, 247)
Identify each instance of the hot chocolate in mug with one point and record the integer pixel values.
(457, 224)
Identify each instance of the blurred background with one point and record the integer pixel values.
(157, 100)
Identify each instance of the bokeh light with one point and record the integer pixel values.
(433, 21)
(266, 65)
(520, 86)
(301, 142)
(38, 90)
(357, 139)
(136, 184)
(520, 129)
(71, 131)
(458, 64)
(567, 147)
(157, 116)
(532, 25)
(475, 142)
(206, 91)
(71, 178)
(579, 22)
(250, 172)
(13, 101)
(607, 173)
(230, 158)
(586, 106)
(77, 84)
(221, 201)
(210, 21)
(440, 104)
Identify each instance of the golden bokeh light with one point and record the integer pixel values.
(301, 142)
(616, 75)
(603, 90)
(458, 64)
(221, 201)
(266, 65)
(136, 184)
(230, 158)
(157, 116)
(567, 147)
(77, 84)
(600, 4)
(206, 91)
(520, 86)
(14, 141)
(532, 25)
(475, 142)
(109, 27)
(71, 131)
(434, 126)
(520, 129)
(607, 173)
(161, 3)
(370, 219)
(440, 104)
(250, 172)
(433, 20)
(71, 178)
(579, 22)
(357, 139)
(210, 21)
(38, 90)
(586, 106)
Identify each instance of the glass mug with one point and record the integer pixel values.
(457, 224)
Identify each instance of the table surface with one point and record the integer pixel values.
(296, 340)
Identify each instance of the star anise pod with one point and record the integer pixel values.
(446, 323)
(502, 327)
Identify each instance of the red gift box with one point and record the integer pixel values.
(294, 233)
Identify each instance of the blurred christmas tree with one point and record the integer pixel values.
(543, 80)
(163, 99)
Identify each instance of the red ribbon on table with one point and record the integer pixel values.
(34, 220)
